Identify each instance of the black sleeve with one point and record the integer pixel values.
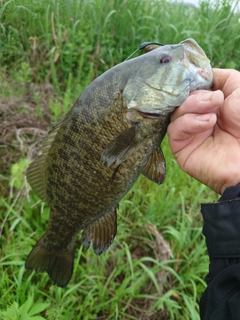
(221, 299)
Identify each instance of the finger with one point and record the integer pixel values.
(200, 102)
(226, 80)
(185, 128)
(229, 114)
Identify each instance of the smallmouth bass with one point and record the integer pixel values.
(92, 157)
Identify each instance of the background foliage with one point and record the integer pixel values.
(49, 52)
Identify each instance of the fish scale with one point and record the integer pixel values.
(94, 155)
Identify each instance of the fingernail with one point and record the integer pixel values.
(206, 96)
(204, 117)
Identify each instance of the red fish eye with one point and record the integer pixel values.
(165, 59)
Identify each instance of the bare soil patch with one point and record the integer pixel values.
(24, 120)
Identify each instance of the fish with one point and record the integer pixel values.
(92, 157)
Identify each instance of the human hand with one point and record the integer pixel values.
(204, 133)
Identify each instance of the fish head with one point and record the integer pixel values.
(165, 76)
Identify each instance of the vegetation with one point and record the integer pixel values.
(50, 50)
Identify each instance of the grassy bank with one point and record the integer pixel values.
(61, 41)
(49, 52)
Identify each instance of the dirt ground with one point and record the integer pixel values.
(23, 123)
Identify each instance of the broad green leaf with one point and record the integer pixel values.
(11, 313)
(23, 310)
(37, 308)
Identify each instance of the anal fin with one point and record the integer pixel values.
(155, 168)
(101, 232)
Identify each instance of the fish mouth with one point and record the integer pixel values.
(200, 70)
(195, 59)
(206, 74)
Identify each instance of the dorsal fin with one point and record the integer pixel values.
(36, 173)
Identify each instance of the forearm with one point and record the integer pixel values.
(221, 228)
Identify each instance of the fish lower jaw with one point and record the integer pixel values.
(202, 86)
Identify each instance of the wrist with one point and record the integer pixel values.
(230, 193)
(230, 184)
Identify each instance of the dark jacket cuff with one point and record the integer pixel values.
(222, 224)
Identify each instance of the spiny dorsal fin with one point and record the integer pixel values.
(35, 173)
(101, 232)
(155, 168)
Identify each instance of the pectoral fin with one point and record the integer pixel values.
(120, 148)
(155, 168)
(101, 232)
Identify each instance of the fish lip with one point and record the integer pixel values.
(191, 46)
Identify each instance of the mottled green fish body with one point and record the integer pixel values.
(94, 155)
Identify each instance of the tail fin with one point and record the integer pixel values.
(58, 263)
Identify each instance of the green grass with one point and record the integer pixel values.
(125, 281)
(62, 41)
(67, 44)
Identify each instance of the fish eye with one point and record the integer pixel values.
(165, 59)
